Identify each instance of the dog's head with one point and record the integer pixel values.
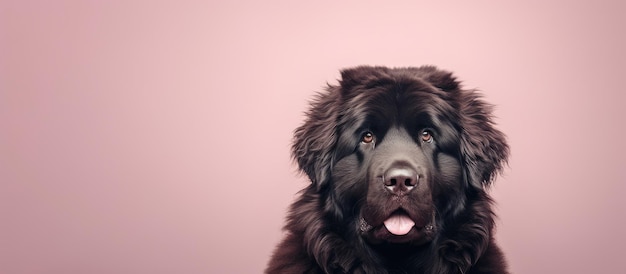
(393, 152)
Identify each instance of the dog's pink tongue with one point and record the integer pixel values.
(399, 224)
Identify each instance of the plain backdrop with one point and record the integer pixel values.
(154, 136)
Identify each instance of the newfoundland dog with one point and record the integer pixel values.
(399, 160)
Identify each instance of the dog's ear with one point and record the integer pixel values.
(315, 140)
(483, 147)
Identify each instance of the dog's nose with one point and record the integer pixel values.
(400, 180)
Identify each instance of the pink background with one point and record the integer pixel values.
(153, 136)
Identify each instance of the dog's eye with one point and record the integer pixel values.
(427, 136)
(367, 137)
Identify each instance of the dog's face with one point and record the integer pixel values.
(395, 154)
(402, 153)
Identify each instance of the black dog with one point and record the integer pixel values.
(399, 162)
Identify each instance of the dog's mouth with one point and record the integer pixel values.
(400, 227)
(399, 223)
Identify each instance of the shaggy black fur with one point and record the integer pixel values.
(404, 142)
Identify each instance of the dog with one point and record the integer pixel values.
(400, 161)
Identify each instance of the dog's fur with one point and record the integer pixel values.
(404, 142)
